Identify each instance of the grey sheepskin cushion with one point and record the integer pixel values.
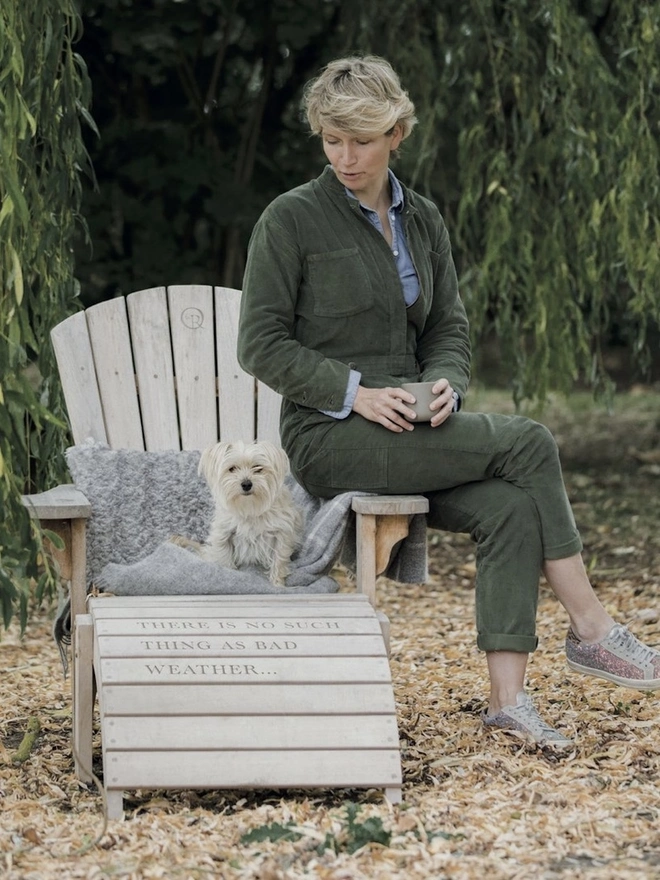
(138, 500)
(141, 499)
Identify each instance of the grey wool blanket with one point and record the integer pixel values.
(139, 500)
(170, 569)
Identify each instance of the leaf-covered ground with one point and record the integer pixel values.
(476, 803)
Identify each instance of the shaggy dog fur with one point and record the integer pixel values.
(255, 520)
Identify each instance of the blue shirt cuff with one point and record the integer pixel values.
(349, 399)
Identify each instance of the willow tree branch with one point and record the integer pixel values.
(220, 56)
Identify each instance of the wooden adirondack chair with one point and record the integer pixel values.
(155, 371)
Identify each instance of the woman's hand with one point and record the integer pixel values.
(443, 405)
(387, 406)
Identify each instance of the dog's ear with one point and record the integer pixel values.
(280, 462)
(211, 459)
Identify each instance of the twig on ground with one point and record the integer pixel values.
(22, 753)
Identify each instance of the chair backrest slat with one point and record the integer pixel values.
(152, 351)
(268, 414)
(192, 325)
(75, 363)
(111, 344)
(236, 389)
(158, 370)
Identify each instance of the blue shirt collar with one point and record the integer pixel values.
(397, 193)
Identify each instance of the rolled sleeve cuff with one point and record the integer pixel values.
(349, 399)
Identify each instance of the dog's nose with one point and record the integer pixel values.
(246, 485)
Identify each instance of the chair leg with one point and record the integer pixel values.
(376, 537)
(384, 622)
(83, 696)
(365, 527)
(114, 801)
(394, 795)
(78, 567)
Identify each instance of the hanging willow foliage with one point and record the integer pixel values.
(538, 138)
(44, 93)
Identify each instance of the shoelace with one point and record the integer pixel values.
(638, 652)
(536, 723)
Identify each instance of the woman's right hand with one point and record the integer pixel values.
(387, 406)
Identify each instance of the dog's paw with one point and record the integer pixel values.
(187, 544)
(277, 576)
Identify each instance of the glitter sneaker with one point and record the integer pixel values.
(619, 657)
(524, 718)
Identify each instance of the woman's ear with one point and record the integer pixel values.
(397, 137)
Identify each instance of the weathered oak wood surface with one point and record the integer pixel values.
(267, 691)
(157, 370)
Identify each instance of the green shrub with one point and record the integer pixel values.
(44, 96)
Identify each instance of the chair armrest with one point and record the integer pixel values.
(386, 505)
(382, 521)
(61, 502)
(65, 510)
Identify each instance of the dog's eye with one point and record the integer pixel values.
(257, 470)
(232, 469)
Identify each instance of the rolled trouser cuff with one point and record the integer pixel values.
(564, 551)
(507, 642)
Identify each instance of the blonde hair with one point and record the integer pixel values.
(358, 95)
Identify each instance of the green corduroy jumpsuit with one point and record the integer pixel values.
(322, 296)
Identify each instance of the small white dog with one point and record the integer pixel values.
(255, 520)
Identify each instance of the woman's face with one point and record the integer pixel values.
(361, 162)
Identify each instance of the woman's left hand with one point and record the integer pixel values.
(443, 405)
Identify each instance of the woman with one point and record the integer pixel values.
(350, 290)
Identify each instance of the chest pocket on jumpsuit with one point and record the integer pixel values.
(339, 283)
